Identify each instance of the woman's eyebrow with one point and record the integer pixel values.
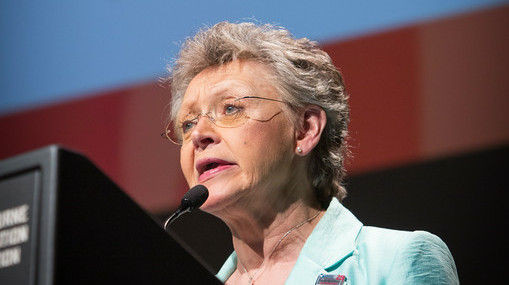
(230, 88)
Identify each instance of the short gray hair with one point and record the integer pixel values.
(305, 75)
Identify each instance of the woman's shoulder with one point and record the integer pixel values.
(398, 238)
(402, 243)
(416, 256)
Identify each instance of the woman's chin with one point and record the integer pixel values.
(217, 203)
(213, 204)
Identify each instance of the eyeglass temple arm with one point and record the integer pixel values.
(257, 97)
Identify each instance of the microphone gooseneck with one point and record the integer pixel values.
(193, 199)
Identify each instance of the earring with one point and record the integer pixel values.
(299, 150)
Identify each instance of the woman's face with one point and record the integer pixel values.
(243, 163)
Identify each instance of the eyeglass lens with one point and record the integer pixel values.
(226, 113)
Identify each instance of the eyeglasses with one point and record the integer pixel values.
(225, 113)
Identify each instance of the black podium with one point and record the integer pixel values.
(62, 221)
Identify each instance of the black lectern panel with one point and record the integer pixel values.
(62, 221)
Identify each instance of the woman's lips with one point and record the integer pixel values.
(208, 168)
(213, 172)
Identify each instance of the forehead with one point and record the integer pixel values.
(235, 79)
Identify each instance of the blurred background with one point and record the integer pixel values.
(428, 84)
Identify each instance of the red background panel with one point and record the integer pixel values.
(90, 125)
(465, 86)
(382, 77)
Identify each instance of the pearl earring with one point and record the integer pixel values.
(299, 150)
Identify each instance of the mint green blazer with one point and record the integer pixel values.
(341, 245)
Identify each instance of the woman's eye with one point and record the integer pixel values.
(231, 109)
(187, 126)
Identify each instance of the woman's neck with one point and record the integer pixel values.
(270, 226)
(274, 237)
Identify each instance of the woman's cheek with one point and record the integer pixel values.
(186, 165)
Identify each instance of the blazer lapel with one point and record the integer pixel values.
(332, 241)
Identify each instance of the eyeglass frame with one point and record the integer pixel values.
(207, 114)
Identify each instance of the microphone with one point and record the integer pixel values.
(193, 199)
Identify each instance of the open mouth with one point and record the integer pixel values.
(211, 165)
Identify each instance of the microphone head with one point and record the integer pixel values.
(195, 197)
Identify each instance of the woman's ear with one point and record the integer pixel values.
(312, 123)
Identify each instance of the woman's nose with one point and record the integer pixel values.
(204, 133)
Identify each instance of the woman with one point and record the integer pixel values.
(262, 119)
